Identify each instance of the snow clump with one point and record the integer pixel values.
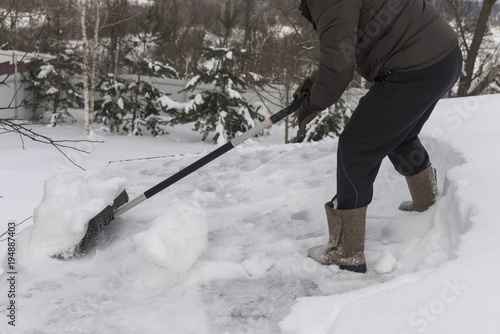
(386, 263)
(177, 238)
(69, 201)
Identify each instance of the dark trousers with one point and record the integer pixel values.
(387, 122)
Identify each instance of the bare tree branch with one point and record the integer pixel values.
(4, 81)
(479, 33)
(488, 79)
(6, 232)
(460, 24)
(20, 128)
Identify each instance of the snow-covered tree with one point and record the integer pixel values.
(111, 107)
(150, 115)
(222, 111)
(141, 66)
(132, 106)
(53, 87)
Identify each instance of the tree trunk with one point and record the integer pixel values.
(95, 52)
(488, 79)
(136, 103)
(86, 95)
(468, 72)
(138, 86)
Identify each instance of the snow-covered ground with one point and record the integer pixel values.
(224, 250)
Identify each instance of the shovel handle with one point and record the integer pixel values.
(275, 118)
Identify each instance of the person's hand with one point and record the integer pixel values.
(304, 117)
(305, 86)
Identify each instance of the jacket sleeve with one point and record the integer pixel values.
(337, 24)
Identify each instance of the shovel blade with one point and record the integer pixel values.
(95, 230)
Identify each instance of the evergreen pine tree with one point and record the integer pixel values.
(150, 114)
(119, 98)
(158, 70)
(222, 111)
(146, 111)
(54, 88)
(113, 103)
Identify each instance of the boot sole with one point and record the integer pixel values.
(360, 268)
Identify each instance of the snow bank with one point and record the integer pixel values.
(443, 257)
(69, 201)
(425, 242)
(177, 238)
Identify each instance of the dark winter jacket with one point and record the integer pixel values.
(378, 36)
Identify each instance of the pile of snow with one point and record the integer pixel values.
(176, 239)
(69, 201)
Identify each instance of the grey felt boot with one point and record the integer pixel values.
(346, 245)
(423, 190)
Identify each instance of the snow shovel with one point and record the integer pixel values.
(121, 204)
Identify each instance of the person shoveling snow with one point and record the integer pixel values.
(411, 54)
